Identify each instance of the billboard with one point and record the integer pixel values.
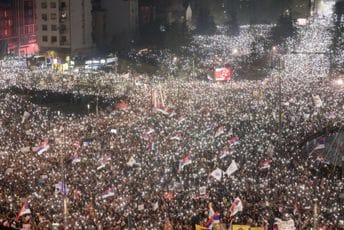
(223, 74)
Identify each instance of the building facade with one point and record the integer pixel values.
(18, 27)
(65, 26)
(116, 23)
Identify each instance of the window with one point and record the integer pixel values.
(44, 17)
(53, 27)
(53, 16)
(44, 27)
(53, 5)
(53, 39)
(45, 38)
(44, 5)
(63, 40)
(62, 4)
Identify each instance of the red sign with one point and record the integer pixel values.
(223, 74)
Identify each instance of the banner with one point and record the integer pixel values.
(223, 74)
(241, 227)
(257, 228)
(199, 227)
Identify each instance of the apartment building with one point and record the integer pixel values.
(18, 27)
(65, 26)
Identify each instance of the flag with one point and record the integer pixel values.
(226, 152)
(25, 209)
(223, 74)
(240, 227)
(132, 162)
(62, 188)
(232, 168)
(155, 206)
(141, 207)
(162, 111)
(236, 206)
(185, 161)
(77, 145)
(217, 174)
(233, 140)
(320, 144)
(214, 219)
(317, 101)
(169, 196)
(25, 117)
(265, 164)
(86, 142)
(44, 146)
(177, 136)
(108, 193)
(219, 131)
(285, 225)
(103, 161)
(75, 159)
(122, 105)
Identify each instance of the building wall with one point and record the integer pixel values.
(18, 26)
(65, 25)
(81, 25)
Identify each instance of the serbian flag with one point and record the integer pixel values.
(185, 161)
(62, 188)
(222, 74)
(265, 164)
(233, 140)
(75, 158)
(169, 196)
(108, 193)
(215, 219)
(219, 131)
(43, 147)
(236, 206)
(25, 209)
(320, 143)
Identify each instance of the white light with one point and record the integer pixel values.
(339, 82)
(235, 51)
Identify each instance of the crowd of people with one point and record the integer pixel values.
(155, 159)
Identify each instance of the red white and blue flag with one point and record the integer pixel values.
(44, 146)
(320, 143)
(265, 164)
(108, 193)
(25, 209)
(236, 206)
(233, 140)
(185, 161)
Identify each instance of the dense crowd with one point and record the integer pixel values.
(157, 158)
